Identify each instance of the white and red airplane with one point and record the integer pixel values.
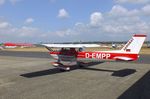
(71, 54)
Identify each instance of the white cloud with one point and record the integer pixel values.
(118, 10)
(133, 1)
(14, 1)
(62, 33)
(29, 20)
(9, 32)
(120, 21)
(146, 9)
(27, 31)
(4, 25)
(96, 18)
(63, 14)
(117, 24)
(2, 2)
(119, 28)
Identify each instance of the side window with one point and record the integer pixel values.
(80, 49)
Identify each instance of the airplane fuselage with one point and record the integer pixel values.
(97, 56)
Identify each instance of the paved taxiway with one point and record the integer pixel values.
(30, 76)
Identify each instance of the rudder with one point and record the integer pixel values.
(134, 45)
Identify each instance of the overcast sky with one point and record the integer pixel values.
(73, 20)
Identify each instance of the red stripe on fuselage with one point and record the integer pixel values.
(99, 55)
(106, 55)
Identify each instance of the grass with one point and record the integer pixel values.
(145, 51)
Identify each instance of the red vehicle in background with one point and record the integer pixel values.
(14, 45)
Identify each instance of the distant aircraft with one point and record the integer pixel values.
(73, 54)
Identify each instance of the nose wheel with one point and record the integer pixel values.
(63, 68)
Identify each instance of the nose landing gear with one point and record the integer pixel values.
(61, 67)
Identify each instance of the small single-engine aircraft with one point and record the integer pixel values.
(74, 54)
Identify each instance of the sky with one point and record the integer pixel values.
(34, 21)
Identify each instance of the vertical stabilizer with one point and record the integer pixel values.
(134, 45)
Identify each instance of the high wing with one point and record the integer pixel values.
(71, 45)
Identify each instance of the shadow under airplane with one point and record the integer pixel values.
(118, 73)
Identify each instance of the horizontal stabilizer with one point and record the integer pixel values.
(123, 58)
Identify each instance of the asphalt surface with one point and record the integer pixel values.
(145, 59)
(25, 54)
(29, 75)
